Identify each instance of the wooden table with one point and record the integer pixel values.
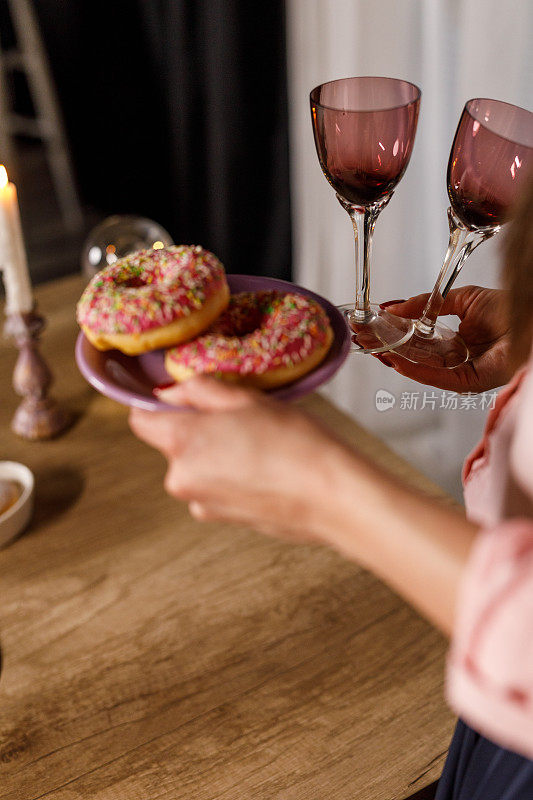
(146, 656)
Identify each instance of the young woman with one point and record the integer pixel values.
(247, 458)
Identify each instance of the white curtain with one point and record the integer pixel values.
(453, 50)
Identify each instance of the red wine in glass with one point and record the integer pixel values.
(364, 131)
(486, 167)
(491, 155)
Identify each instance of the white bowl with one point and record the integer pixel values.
(15, 519)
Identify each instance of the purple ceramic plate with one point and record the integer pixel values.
(131, 379)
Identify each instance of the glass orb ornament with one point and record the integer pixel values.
(118, 236)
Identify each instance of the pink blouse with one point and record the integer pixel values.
(490, 664)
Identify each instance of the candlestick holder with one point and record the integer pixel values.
(38, 416)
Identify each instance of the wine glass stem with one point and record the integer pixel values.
(462, 242)
(363, 221)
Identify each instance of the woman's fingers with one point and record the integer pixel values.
(411, 308)
(168, 431)
(162, 430)
(212, 512)
(461, 379)
(201, 511)
(209, 511)
(457, 301)
(207, 394)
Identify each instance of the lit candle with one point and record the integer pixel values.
(13, 261)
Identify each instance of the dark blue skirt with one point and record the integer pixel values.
(477, 769)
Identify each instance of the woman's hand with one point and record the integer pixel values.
(238, 455)
(485, 330)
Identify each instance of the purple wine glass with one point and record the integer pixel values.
(364, 131)
(489, 161)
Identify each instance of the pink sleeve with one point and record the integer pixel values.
(492, 421)
(490, 664)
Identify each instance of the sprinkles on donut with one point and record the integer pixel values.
(263, 339)
(153, 299)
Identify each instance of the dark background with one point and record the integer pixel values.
(176, 110)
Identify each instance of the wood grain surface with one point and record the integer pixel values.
(149, 657)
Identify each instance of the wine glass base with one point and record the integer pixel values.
(444, 349)
(381, 332)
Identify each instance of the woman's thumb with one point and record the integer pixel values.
(411, 308)
(205, 394)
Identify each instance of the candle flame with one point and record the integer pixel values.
(3, 176)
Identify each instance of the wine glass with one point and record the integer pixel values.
(364, 131)
(490, 157)
(118, 236)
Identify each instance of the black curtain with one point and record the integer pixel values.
(177, 110)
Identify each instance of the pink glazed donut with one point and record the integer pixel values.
(264, 339)
(153, 299)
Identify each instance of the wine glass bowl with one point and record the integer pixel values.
(364, 134)
(485, 169)
(491, 154)
(364, 130)
(118, 236)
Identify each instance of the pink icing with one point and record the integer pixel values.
(150, 289)
(259, 331)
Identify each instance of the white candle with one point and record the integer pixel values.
(13, 261)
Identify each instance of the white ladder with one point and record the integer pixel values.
(29, 56)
